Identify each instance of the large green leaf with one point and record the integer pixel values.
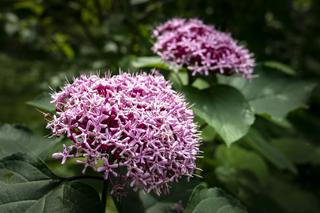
(212, 200)
(16, 139)
(27, 185)
(271, 93)
(257, 142)
(298, 150)
(238, 158)
(223, 108)
(42, 102)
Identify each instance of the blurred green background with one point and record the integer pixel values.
(43, 42)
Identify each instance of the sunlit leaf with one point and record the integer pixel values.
(223, 108)
(149, 62)
(272, 94)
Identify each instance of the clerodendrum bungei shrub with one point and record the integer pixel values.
(132, 122)
(134, 128)
(144, 131)
(201, 48)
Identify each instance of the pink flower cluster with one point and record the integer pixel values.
(201, 48)
(134, 127)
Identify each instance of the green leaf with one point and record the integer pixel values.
(292, 197)
(208, 133)
(27, 185)
(130, 203)
(149, 62)
(307, 123)
(237, 158)
(280, 66)
(298, 150)
(14, 139)
(42, 102)
(257, 142)
(272, 94)
(223, 108)
(151, 203)
(212, 200)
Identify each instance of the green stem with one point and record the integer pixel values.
(191, 78)
(104, 195)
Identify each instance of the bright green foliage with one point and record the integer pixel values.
(149, 62)
(224, 109)
(272, 94)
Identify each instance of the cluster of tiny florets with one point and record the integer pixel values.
(201, 48)
(133, 127)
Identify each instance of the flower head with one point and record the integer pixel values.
(133, 127)
(201, 48)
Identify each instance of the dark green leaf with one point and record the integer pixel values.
(42, 102)
(291, 197)
(272, 94)
(212, 200)
(298, 150)
(235, 157)
(13, 139)
(257, 142)
(224, 109)
(27, 185)
(151, 203)
(130, 203)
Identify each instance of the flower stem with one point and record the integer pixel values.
(104, 195)
(191, 78)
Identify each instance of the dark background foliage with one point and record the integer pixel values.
(42, 42)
